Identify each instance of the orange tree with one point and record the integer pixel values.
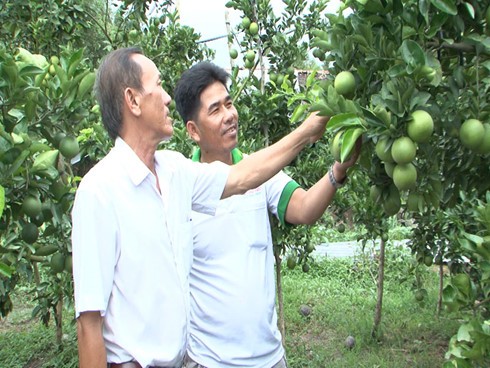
(50, 128)
(421, 71)
(273, 47)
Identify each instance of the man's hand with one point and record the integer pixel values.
(314, 126)
(340, 169)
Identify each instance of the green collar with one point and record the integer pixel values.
(236, 155)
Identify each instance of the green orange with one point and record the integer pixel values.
(420, 127)
(403, 150)
(471, 133)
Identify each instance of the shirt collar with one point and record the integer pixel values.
(236, 155)
(136, 169)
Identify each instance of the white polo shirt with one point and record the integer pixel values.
(132, 249)
(233, 314)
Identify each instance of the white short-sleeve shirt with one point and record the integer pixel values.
(132, 249)
(233, 314)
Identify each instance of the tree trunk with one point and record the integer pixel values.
(379, 303)
(59, 321)
(441, 286)
(230, 37)
(280, 299)
(35, 269)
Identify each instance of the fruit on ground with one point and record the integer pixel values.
(419, 295)
(253, 28)
(420, 127)
(383, 150)
(31, 206)
(403, 150)
(471, 133)
(405, 176)
(69, 147)
(29, 233)
(304, 310)
(484, 146)
(341, 228)
(57, 262)
(345, 83)
(350, 342)
(233, 53)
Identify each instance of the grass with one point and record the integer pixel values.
(342, 296)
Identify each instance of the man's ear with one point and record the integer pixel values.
(193, 131)
(132, 101)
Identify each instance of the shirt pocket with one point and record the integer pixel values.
(251, 217)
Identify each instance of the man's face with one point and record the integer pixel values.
(217, 123)
(154, 100)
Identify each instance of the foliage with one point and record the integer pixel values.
(46, 81)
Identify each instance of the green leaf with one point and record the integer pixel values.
(323, 109)
(464, 332)
(45, 160)
(447, 6)
(473, 238)
(471, 10)
(311, 78)
(349, 139)
(5, 270)
(17, 163)
(397, 70)
(449, 294)
(412, 53)
(462, 282)
(2, 199)
(298, 112)
(344, 120)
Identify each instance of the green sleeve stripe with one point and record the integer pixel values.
(286, 194)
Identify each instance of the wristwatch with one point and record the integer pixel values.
(336, 184)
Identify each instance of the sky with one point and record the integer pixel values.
(209, 20)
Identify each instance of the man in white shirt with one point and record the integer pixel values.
(233, 315)
(131, 235)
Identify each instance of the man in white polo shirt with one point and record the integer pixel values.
(131, 235)
(233, 315)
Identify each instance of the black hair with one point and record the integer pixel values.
(192, 83)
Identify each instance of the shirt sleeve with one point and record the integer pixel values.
(209, 185)
(279, 189)
(93, 248)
